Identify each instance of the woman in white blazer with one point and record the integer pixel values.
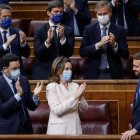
(65, 99)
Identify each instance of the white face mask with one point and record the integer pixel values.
(14, 74)
(104, 20)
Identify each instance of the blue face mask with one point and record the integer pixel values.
(14, 74)
(57, 18)
(6, 22)
(66, 76)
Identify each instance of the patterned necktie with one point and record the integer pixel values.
(104, 62)
(4, 36)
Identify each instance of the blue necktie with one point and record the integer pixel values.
(4, 36)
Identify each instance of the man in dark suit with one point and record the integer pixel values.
(11, 39)
(15, 98)
(76, 15)
(4, 1)
(126, 14)
(51, 40)
(104, 44)
(136, 105)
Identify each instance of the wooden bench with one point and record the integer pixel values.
(133, 45)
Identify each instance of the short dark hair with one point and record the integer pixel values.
(6, 59)
(5, 6)
(136, 56)
(53, 4)
(103, 3)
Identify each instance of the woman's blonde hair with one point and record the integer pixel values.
(57, 68)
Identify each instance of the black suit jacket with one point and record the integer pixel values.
(131, 10)
(83, 17)
(136, 113)
(15, 47)
(91, 36)
(45, 56)
(10, 107)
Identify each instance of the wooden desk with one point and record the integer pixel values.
(119, 94)
(62, 137)
(133, 45)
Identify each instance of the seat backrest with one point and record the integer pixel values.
(40, 118)
(34, 25)
(96, 120)
(28, 66)
(78, 67)
(17, 23)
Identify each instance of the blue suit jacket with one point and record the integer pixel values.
(4, 1)
(131, 10)
(83, 17)
(10, 107)
(15, 47)
(91, 36)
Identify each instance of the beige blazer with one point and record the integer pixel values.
(64, 117)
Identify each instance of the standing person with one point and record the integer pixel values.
(51, 40)
(65, 99)
(76, 15)
(4, 1)
(136, 105)
(12, 39)
(104, 45)
(15, 98)
(126, 14)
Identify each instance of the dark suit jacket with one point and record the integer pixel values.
(83, 17)
(10, 107)
(91, 36)
(136, 114)
(15, 47)
(131, 10)
(4, 1)
(45, 56)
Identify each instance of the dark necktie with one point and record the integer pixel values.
(22, 114)
(55, 36)
(4, 36)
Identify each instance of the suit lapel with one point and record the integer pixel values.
(7, 88)
(135, 105)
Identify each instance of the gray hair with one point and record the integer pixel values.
(5, 6)
(103, 3)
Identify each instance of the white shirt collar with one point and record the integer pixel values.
(1, 29)
(101, 26)
(9, 81)
(52, 24)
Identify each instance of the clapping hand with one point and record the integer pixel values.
(80, 90)
(38, 88)
(22, 36)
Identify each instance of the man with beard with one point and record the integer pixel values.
(136, 105)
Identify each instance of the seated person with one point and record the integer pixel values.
(65, 99)
(76, 15)
(12, 39)
(51, 40)
(104, 44)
